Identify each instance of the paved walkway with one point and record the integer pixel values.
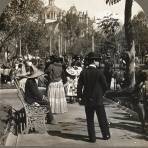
(71, 129)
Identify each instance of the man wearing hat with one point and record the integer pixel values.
(32, 93)
(90, 90)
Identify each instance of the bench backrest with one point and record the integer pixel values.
(29, 109)
(21, 93)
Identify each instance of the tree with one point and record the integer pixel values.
(76, 32)
(20, 19)
(111, 2)
(130, 69)
(109, 27)
(19, 12)
(140, 31)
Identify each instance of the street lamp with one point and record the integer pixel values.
(60, 36)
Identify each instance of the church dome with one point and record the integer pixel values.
(51, 12)
(52, 9)
(73, 10)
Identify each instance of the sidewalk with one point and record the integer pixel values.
(71, 130)
(9, 97)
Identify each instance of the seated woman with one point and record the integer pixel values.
(32, 93)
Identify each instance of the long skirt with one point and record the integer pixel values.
(56, 96)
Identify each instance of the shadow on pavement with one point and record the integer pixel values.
(80, 120)
(70, 136)
(119, 113)
(127, 122)
(126, 118)
(145, 137)
(130, 127)
(64, 124)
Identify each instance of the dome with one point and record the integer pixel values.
(73, 10)
(51, 12)
(52, 9)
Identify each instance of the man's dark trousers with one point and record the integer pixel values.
(102, 119)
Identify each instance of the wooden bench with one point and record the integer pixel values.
(34, 117)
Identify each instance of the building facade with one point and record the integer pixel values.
(53, 17)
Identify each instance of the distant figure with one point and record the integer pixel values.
(76, 61)
(108, 73)
(90, 90)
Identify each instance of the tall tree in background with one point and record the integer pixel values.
(20, 20)
(75, 32)
(109, 27)
(140, 35)
(130, 60)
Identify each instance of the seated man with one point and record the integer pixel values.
(32, 93)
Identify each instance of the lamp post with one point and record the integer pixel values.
(60, 35)
(50, 45)
(59, 44)
(65, 44)
(92, 37)
(93, 43)
(20, 41)
(21, 6)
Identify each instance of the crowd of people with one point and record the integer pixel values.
(62, 81)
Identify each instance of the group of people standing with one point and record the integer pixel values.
(91, 87)
(54, 92)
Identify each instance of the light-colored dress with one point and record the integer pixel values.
(72, 82)
(71, 87)
(56, 93)
(56, 96)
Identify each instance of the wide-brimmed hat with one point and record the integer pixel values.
(35, 72)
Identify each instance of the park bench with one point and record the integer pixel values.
(31, 117)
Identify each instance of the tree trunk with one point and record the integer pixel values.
(130, 43)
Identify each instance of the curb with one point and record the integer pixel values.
(5, 91)
(7, 132)
(11, 140)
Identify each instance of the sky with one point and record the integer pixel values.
(97, 8)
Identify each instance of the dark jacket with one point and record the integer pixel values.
(54, 72)
(91, 86)
(32, 93)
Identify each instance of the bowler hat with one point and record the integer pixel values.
(92, 56)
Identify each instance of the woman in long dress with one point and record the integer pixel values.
(56, 93)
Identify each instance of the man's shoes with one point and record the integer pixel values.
(53, 122)
(92, 140)
(107, 137)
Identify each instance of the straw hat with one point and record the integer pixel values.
(35, 72)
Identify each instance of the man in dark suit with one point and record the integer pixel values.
(90, 90)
